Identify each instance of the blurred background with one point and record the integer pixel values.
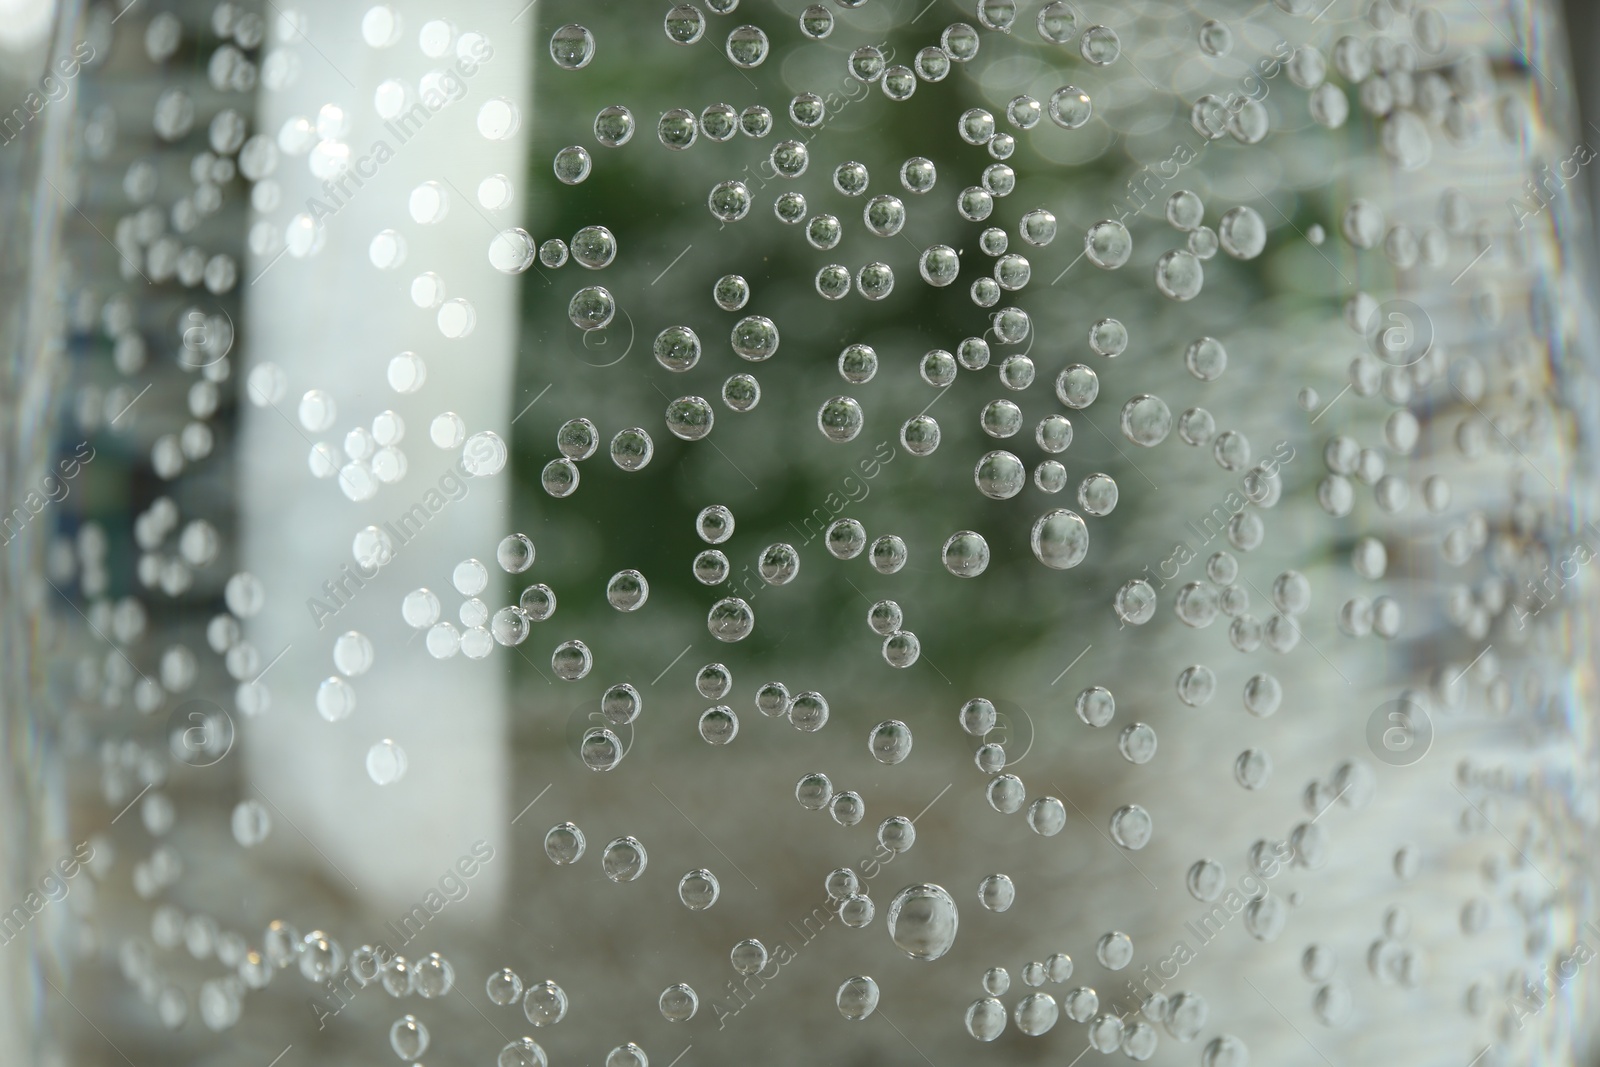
(275, 303)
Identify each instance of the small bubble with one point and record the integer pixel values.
(747, 47)
(1097, 494)
(1058, 24)
(564, 844)
(1047, 816)
(755, 338)
(1242, 233)
(1114, 950)
(1100, 46)
(731, 292)
(833, 281)
(1017, 373)
(730, 619)
(544, 1003)
(714, 524)
(591, 308)
(443, 641)
(847, 808)
(814, 791)
(1108, 244)
(918, 175)
(789, 207)
(1216, 39)
(684, 25)
(503, 987)
(975, 203)
(1077, 386)
(890, 742)
(857, 998)
(624, 859)
(845, 538)
(571, 661)
(1196, 427)
(572, 47)
(1006, 794)
(875, 281)
(888, 554)
(677, 129)
(755, 121)
(386, 762)
(748, 956)
(973, 353)
(522, 1052)
(985, 1019)
(999, 475)
(632, 449)
(553, 253)
(470, 577)
(719, 122)
(621, 704)
(1070, 107)
(678, 1003)
(939, 265)
(977, 717)
(897, 834)
(698, 890)
(559, 477)
(498, 120)
(1001, 419)
(1146, 420)
(250, 823)
(816, 22)
(1036, 1014)
(729, 201)
(711, 567)
(808, 712)
(1096, 706)
(996, 981)
(601, 749)
(1252, 768)
(1137, 743)
(408, 1037)
(1225, 1051)
(840, 419)
(713, 681)
(1131, 826)
(690, 418)
(571, 166)
(938, 368)
(966, 554)
(1135, 602)
(1196, 685)
(627, 590)
(1179, 274)
(922, 921)
(789, 159)
(593, 247)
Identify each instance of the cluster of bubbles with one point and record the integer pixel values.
(1405, 105)
(1130, 826)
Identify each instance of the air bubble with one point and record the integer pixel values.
(1070, 107)
(747, 47)
(1131, 826)
(386, 762)
(922, 921)
(684, 24)
(1108, 244)
(572, 46)
(624, 859)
